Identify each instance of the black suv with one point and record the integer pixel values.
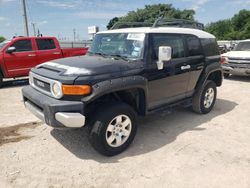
(127, 73)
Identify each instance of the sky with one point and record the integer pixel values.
(60, 17)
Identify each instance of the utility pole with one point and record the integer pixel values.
(74, 31)
(25, 19)
(34, 28)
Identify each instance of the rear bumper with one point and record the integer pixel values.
(241, 70)
(56, 113)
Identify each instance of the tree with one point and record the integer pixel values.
(151, 12)
(2, 39)
(112, 22)
(236, 28)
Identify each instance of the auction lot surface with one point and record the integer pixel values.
(177, 149)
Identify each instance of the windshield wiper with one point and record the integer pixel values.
(98, 53)
(125, 58)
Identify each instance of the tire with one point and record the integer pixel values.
(1, 81)
(204, 98)
(226, 75)
(105, 128)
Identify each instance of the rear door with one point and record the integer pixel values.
(47, 50)
(170, 84)
(196, 61)
(22, 60)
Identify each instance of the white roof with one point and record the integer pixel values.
(247, 40)
(196, 32)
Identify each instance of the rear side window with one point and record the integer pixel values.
(22, 45)
(194, 46)
(45, 44)
(174, 41)
(210, 47)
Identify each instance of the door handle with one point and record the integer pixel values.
(32, 55)
(56, 53)
(186, 67)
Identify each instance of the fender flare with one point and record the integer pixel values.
(208, 71)
(118, 84)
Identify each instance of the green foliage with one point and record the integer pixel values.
(2, 39)
(236, 28)
(151, 12)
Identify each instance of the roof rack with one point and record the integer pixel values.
(121, 25)
(161, 22)
(170, 22)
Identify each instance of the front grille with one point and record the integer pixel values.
(41, 84)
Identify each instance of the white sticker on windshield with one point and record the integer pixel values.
(136, 36)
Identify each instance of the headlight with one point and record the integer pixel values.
(31, 80)
(56, 90)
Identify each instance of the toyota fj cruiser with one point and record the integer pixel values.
(127, 73)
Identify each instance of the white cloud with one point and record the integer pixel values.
(58, 4)
(98, 15)
(3, 18)
(198, 4)
(5, 1)
(41, 23)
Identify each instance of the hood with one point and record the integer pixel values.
(89, 65)
(237, 54)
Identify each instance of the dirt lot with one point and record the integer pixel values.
(178, 149)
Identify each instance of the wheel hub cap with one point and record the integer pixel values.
(118, 130)
(209, 98)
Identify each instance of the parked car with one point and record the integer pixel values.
(237, 62)
(222, 49)
(127, 73)
(19, 55)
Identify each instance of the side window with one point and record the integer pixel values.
(22, 45)
(45, 44)
(194, 47)
(210, 47)
(174, 41)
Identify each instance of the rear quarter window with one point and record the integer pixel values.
(210, 47)
(45, 44)
(194, 46)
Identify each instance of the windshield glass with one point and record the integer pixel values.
(126, 45)
(2, 44)
(243, 46)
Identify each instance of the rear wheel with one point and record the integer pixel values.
(113, 129)
(205, 97)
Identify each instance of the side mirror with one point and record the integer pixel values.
(165, 54)
(11, 49)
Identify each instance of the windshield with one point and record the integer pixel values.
(125, 45)
(2, 44)
(243, 46)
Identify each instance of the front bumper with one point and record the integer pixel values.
(56, 113)
(237, 69)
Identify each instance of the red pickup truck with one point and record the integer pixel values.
(19, 55)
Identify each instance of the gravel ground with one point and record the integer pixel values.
(177, 149)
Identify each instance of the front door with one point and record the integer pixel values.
(22, 60)
(170, 84)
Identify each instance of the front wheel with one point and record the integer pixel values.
(113, 129)
(1, 80)
(205, 97)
